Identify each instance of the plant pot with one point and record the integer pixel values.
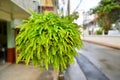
(106, 32)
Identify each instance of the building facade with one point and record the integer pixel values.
(12, 13)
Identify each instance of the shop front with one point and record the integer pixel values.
(10, 13)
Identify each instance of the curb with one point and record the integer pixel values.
(74, 72)
(102, 43)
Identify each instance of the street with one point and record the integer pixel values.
(104, 58)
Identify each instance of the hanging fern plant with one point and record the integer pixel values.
(47, 39)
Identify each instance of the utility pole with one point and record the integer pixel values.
(68, 7)
(55, 3)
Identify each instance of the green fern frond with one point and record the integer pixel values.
(48, 40)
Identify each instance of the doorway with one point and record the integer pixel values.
(3, 41)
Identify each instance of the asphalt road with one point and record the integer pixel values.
(105, 59)
(90, 71)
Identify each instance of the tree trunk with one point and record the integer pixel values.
(60, 76)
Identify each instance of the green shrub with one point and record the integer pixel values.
(47, 39)
(99, 32)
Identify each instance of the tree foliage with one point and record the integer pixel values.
(48, 39)
(108, 12)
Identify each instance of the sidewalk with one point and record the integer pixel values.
(4, 65)
(110, 41)
(10, 71)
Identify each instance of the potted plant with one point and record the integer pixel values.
(48, 40)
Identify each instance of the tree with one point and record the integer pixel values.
(108, 12)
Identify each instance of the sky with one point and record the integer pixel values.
(84, 6)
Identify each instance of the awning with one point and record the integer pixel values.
(9, 11)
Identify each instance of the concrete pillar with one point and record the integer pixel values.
(10, 42)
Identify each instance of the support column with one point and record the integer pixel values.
(10, 42)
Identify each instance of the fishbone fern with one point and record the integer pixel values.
(48, 39)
